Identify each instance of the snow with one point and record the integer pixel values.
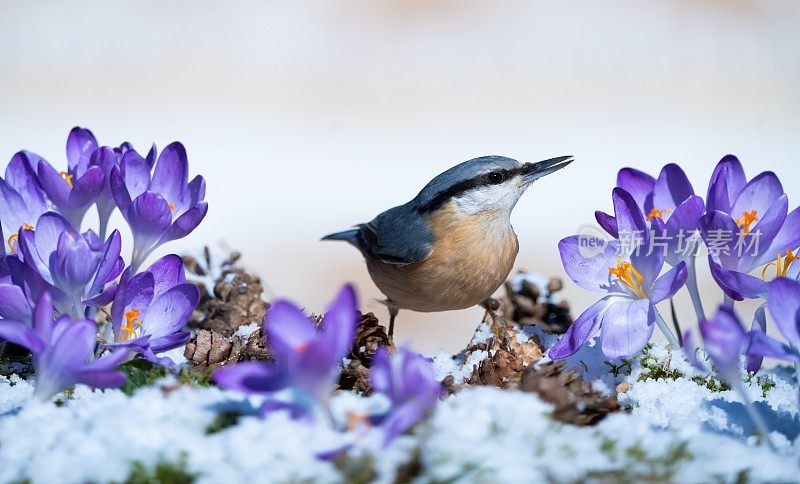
(676, 429)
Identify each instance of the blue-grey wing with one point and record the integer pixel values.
(399, 236)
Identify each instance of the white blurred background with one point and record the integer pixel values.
(308, 117)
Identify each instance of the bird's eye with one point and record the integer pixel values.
(496, 178)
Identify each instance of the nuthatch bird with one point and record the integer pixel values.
(453, 245)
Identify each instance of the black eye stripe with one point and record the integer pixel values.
(461, 187)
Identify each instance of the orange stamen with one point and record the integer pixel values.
(656, 213)
(628, 275)
(12, 241)
(132, 323)
(67, 178)
(171, 206)
(781, 265)
(747, 220)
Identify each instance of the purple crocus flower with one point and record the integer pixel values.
(658, 199)
(162, 208)
(76, 268)
(625, 316)
(22, 200)
(306, 359)
(73, 191)
(63, 351)
(783, 303)
(747, 226)
(670, 203)
(725, 340)
(409, 381)
(151, 309)
(107, 158)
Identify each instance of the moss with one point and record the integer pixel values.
(360, 470)
(639, 467)
(624, 367)
(222, 421)
(196, 378)
(765, 382)
(655, 370)
(141, 373)
(67, 394)
(609, 447)
(162, 473)
(711, 383)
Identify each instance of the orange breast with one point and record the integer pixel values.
(471, 257)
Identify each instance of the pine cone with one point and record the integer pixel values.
(510, 353)
(236, 299)
(370, 336)
(575, 401)
(208, 349)
(526, 306)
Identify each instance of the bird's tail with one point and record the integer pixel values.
(347, 236)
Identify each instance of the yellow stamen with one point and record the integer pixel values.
(171, 206)
(628, 275)
(132, 323)
(656, 213)
(747, 220)
(67, 178)
(12, 241)
(781, 265)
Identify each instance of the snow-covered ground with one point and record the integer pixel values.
(676, 429)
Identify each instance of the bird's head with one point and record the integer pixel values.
(488, 183)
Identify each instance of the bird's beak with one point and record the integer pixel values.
(533, 171)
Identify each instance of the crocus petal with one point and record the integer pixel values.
(758, 194)
(101, 379)
(56, 187)
(81, 143)
(86, 188)
(171, 173)
(681, 227)
(727, 182)
(737, 285)
(135, 171)
(288, 329)
(43, 317)
(21, 175)
(120, 192)
(252, 377)
(400, 420)
(649, 260)
(170, 341)
(630, 221)
(754, 356)
(149, 216)
(186, 223)
(668, 284)
(672, 188)
(639, 184)
(607, 222)
(170, 312)
(579, 331)
(74, 345)
(340, 321)
(589, 273)
(783, 302)
(762, 345)
(105, 297)
(627, 326)
(766, 229)
(21, 334)
(724, 337)
(13, 303)
(109, 262)
(167, 273)
(788, 238)
(720, 234)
